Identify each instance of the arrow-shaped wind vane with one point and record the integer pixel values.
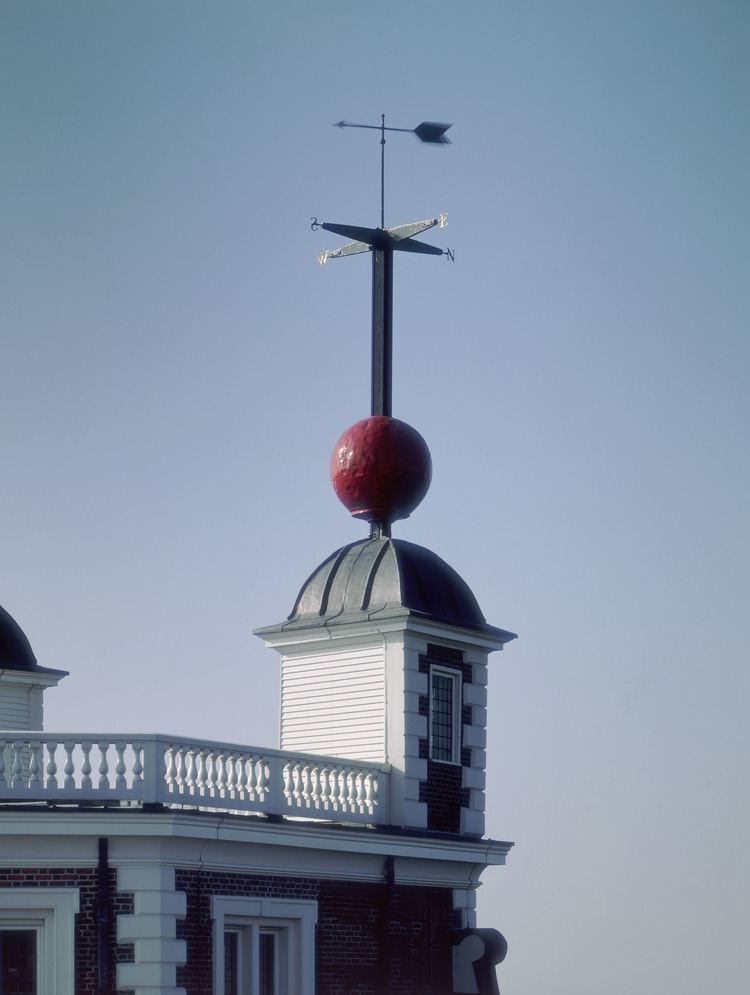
(430, 132)
(427, 131)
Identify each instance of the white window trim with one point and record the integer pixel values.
(297, 916)
(455, 676)
(52, 911)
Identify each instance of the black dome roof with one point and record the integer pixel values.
(386, 577)
(15, 650)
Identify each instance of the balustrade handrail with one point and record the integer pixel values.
(162, 737)
(133, 768)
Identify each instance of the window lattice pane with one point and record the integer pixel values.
(441, 711)
(231, 963)
(267, 963)
(18, 962)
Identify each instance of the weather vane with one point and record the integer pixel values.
(382, 242)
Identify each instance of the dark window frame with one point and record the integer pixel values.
(444, 714)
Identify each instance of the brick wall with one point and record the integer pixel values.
(195, 928)
(86, 950)
(371, 939)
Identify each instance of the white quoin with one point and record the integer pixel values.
(362, 690)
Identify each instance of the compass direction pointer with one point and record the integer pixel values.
(383, 242)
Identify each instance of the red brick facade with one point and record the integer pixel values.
(371, 939)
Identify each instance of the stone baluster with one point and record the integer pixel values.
(315, 786)
(120, 782)
(297, 784)
(286, 783)
(69, 768)
(231, 779)
(18, 780)
(201, 772)
(213, 774)
(304, 777)
(103, 766)
(51, 766)
(371, 792)
(137, 763)
(190, 770)
(171, 771)
(359, 790)
(182, 778)
(252, 779)
(221, 784)
(242, 776)
(325, 788)
(333, 788)
(86, 766)
(35, 748)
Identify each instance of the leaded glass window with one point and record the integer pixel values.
(18, 962)
(444, 714)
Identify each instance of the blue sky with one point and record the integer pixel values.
(176, 368)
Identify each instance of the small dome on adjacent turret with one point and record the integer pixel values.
(15, 650)
(381, 577)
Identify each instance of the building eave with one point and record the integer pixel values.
(313, 629)
(252, 845)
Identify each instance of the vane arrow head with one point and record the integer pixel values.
(433, 132)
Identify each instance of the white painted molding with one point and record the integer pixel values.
(472, 822)
(54, 909)
(299, 916)
(479, 674)
(473, 777)
(285, 640)
(30, 678)
(465, 902)
(134, 834)
(475, 737)
(151, 928)
(475, 694)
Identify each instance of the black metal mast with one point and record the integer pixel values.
(382, 242)
(381, 367)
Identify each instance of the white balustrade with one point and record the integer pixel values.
(157, 769)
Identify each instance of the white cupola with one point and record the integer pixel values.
(384, 660)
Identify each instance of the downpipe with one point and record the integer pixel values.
(103, 916)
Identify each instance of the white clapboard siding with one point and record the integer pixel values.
(334, 703)
(14, 708)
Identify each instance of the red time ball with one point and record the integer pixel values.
(381, 469)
